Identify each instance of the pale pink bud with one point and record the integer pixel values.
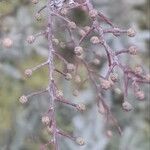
(70, 67)
(78, 50)
(94, 40)
(133, 50)
(59, 93)
(28, 72)
(93, 13)
(7, 42)
(23, 99)
(64, 11)
(140, 95)
(81, 107)
(109, 133)
(75, 93)
(87, 28)
(80, 141)
(34, 1)
(82, 32)
(114, 77)
(68, 76)
(72, 25)
(131, 32)
(30, 39)
(105, 84)
(45, 120)
(96, 61)
(77, 79)
(56, 41)
(138, 70)
(127, 106)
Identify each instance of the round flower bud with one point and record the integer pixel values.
(80, 141)
(140, 95)
(82, 32)
(109, 133)
(87, 28)
(28, 72)
(78, 50)
(133, 50)
(38, 17)
(131, 32)
(62, 45)
(59, 93)
(147, 77)
(68, 76)
(7, 42)
(56, 41)
(94, 40)
(126, 106)
(93, 13)
(75, 93)
(77, 79)
(70, 67)
(30, 39)
(34, 1)
(45, 120)
(72, 25)
(23, 99)
(81, 107)
(96, 61)
(118, 91)
(114, 77)
(64, 11)
(105, 84)
(138, 70)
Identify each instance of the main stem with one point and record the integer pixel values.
(51, 79)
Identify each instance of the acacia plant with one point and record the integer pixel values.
(60, 11)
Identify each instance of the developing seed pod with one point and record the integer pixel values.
(23, 99)
(93, 13)
(133, 50)
(7, 42)
(80, 141)
(72, 25)
(28, 72)
(140, 95)
(68, 76)
(78, 50)
(94, 40)
(81, 107)
(30, 39)
(127, 106)
(45, 120)
(131, 32)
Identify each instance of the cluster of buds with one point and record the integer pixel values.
(71, 71)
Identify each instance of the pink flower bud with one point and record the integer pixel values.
(81, 107)
(72, 25)
(28, 72)
(7, 42)
(45, 120)
(93, 13)
(80, 141)
(23, 99)
(140, 95)
(105, 84)
(138, 70)
(131, 32)
(109, 133)
(114, 77)
(127, 106)
(34, 1)
(77, 79)
(70, 67)
(30, 39)
(95, 40)
(133, 50)
(68, 76)
(78, 50)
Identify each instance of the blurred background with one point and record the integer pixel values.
(21, 127)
